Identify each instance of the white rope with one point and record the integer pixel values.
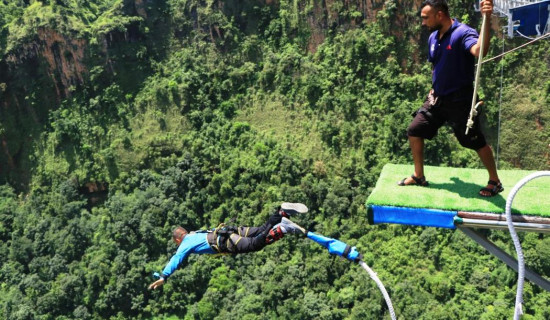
(500, 99)
(521, 263)
(517, 48)
(473, 110)
(380, 285)
(524, 36)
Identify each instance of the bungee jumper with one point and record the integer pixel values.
(453, 47)
(234, 240)
(231, 240)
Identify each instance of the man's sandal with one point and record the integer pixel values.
(417, 182)
(496, 189)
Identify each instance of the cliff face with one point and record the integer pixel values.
(397, 16)
(321, 17)
(64, 56)
(325, 15)
(52, 65)
(35, 78)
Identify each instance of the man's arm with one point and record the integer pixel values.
(174, 264)
(156, 284)
(486, 9)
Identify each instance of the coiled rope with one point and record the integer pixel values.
(521, 263)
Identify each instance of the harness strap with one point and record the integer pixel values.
(212, 240)
(221, 238)
(245, 232)
(347, 250)
(231, 237)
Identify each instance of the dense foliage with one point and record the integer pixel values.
(122, 119)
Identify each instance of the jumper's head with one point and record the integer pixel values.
(178, 234)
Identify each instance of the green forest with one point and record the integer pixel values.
(121, 119)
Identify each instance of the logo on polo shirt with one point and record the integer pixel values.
(449, 47)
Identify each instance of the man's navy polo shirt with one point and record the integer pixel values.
(453, 64)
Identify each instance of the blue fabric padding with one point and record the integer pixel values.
(529, 16)
(413, 216)
(334, 246)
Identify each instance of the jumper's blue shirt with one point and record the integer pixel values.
(453, 64)
(192, 243)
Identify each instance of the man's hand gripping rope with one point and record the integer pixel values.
(473, 110)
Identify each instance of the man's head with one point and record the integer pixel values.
(434, 13)
(178, 234)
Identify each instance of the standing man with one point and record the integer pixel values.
(453, 47)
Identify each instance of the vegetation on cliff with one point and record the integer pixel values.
(121, 119)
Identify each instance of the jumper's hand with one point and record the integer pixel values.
(156, 284)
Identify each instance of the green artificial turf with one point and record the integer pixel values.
(457, 189)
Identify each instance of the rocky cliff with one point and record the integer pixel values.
(68, 53)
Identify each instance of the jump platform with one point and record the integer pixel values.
(452, 199)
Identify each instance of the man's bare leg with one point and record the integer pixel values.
(488, 160)
(417, 149)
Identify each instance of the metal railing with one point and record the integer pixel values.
(502, 7)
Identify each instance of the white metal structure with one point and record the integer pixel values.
(502, 9)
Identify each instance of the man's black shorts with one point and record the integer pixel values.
(453, 110)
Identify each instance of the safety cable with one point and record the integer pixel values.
(524, 36)
(516, 48)
(339, 248)
(521, 263)
(500, 101)
(380, 285)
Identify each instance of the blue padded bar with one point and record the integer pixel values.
(336, 247)
(412, 216)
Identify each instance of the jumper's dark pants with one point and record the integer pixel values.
(241, 239)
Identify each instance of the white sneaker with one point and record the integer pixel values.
(288, 226)
(288, 209)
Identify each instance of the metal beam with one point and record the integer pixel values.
(491, 224)
(502, 217)
(504, 257)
